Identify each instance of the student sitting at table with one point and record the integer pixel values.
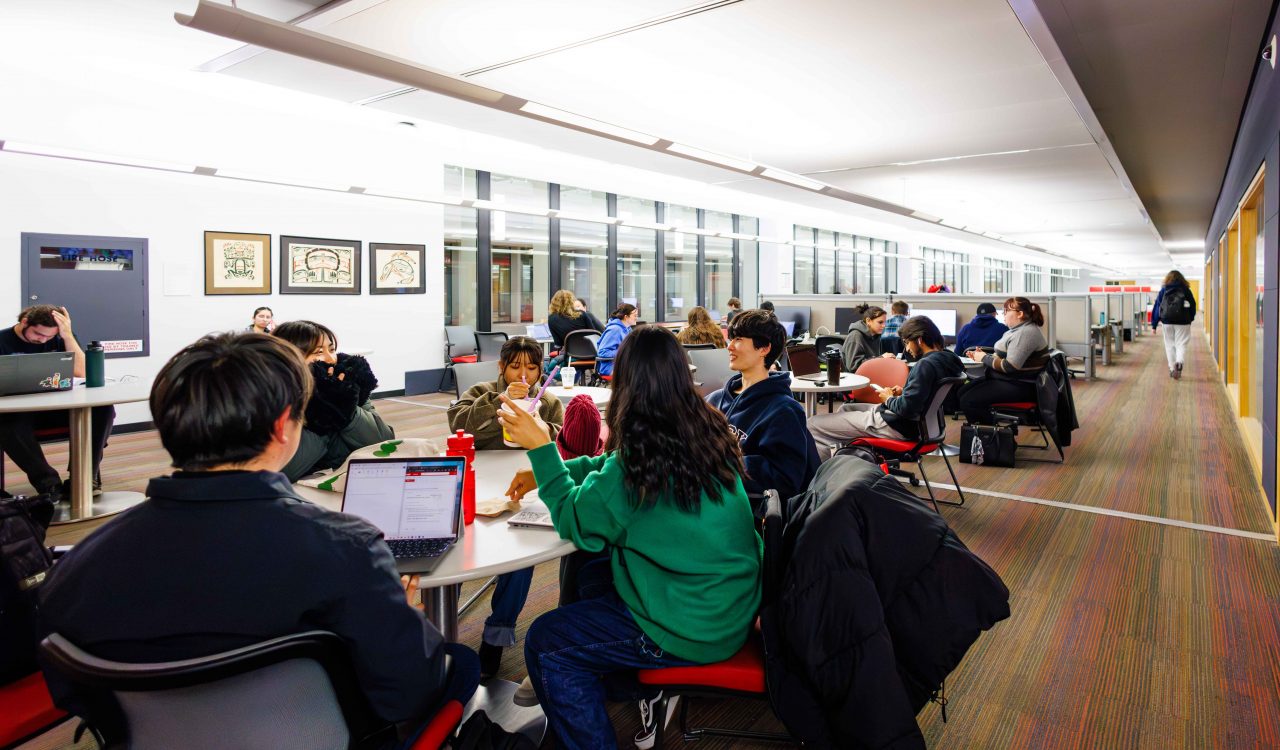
(681, 584)
(620, 324)
(983, 330)
(863, 341)
(223, 554)
(566, 314)
(340, 416)
(1011, 366)
(898, 414)
(777, 449)
(701, 330)
(519, 376)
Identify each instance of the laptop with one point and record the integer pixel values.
(532, 518)
(804, 363)
(538, 331)
(36, 373)
(415, 502)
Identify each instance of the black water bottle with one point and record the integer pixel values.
(95, 365)
(833, 366)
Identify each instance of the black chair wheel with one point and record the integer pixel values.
(914, 482)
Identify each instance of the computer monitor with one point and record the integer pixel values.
(845, 318)
(945, 320)
(799, 316)
(790, 326)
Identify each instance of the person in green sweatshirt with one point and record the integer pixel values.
(681, 581)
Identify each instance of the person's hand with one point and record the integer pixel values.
(341, 375)
(412, 594)
(884, 394)
(521, 484)
(578, 306)
(63, 319)
(976, 355)
(521, 426)
(517, 391)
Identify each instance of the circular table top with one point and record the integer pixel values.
(848, 382)
(599, 395)
(490, 545)
(78, 397)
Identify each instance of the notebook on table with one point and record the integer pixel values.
(36, 373)
(415, 502)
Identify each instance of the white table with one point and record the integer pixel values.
(79, 401)
(599, 395)
(848, 382)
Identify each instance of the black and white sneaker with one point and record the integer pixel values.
(649, 725)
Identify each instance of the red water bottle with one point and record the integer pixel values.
(464, 444)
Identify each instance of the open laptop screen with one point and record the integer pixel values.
(414, 498)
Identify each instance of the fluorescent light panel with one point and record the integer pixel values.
(792, 179)
(586, 123)
(70, 153)
(1184, 245)
(725, 161)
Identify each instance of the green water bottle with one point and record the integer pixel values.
(95, 365)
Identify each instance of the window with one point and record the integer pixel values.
(890, 271)
(519, 193)
(459, 182)
(518, 269)
(1058, 278)
(1033, 279)
(938, 267)
(637, 269)
(459, 266)
(635, 209)
(997, 276)
(748, 262)
(804, 260)
(583, 201)
(584, 262)
(681, 278)
(717, 269)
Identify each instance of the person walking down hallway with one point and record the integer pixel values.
(1175, 309)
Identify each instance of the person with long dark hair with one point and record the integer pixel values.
(1175, 308)
(620, 324)
(665, 502)
(263, 321)
(863, 340)
(1012, 365)
(340, 416)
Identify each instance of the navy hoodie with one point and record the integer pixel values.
(983, 330)
(777, 449)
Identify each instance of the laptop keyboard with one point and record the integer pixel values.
(410, 548)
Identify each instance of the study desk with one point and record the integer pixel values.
(79, 402)
(848, 382)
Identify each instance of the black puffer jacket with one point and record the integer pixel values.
(879, 601)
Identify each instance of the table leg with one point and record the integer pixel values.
(81, 464)
(811, 402)
(440, 605)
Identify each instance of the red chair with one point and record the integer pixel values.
(883, 372)
(28, 710)
(1028, 413)
(933, 430)
(741, 675)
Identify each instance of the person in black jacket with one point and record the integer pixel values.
(777, 449)
(898, 413)
(566, 315)
(229, 412)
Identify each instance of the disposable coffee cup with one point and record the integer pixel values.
(568, 375)
(506, 439)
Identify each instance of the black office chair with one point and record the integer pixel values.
(296, 691)
(691, 347)
(823, 342)
(579, 351)
(489, 345)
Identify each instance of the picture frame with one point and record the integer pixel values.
(237, 263)
(397, 269)
(313, 265)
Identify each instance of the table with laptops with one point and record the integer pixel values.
(807, 377)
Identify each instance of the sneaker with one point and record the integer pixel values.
(97, 487)
(490, 659)
(1177, 374)
(649, 721)
(1173, 374)
(525, 694)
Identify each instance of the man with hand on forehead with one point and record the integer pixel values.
(41, 329)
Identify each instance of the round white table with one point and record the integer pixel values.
(79, 401)
(810, 389)
(599, 395)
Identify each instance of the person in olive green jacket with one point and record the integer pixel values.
(519, 372)
(681, 581)
(340, 418)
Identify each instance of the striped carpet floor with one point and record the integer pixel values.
(1124, 634)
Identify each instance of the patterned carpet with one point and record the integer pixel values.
(1124, 634)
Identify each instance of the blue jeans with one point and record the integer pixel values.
(509, 595)
(581, 653)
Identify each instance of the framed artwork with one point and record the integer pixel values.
(309, 265)
(396, 269)
(236, 263)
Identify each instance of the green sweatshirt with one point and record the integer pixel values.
(691, 580)
(477, 413)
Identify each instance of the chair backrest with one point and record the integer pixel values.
(713, 369)
(581, 344)
(296, 691)
(688, 347)
(772, 535)
(489, 345)
(933, 420)
(822, 342)
(882, 372)
(467, 374)
(460, 340)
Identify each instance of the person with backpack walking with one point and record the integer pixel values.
(1175, 308)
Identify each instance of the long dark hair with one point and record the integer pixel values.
(867, 312)
(623, 310)
(306, 335)
(668, 438)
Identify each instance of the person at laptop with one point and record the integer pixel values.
(701, 330)
(983, 330)
(777, 450)
(223, 554)
(519, 377)
(41, 329)
(863, 341)
(898, 413)
(681, 584)
(340, 416)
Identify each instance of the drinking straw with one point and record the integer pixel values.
(533, 405)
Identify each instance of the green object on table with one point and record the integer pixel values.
(328, 483)
(387, 448)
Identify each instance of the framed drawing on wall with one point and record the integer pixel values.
(309, 265)
(237, 263)
(396, 269)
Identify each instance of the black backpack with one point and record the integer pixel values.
(1176, 306)
(24, 564)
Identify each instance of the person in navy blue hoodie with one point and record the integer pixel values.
(619, 325)
(983, 330)
(777, 449)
